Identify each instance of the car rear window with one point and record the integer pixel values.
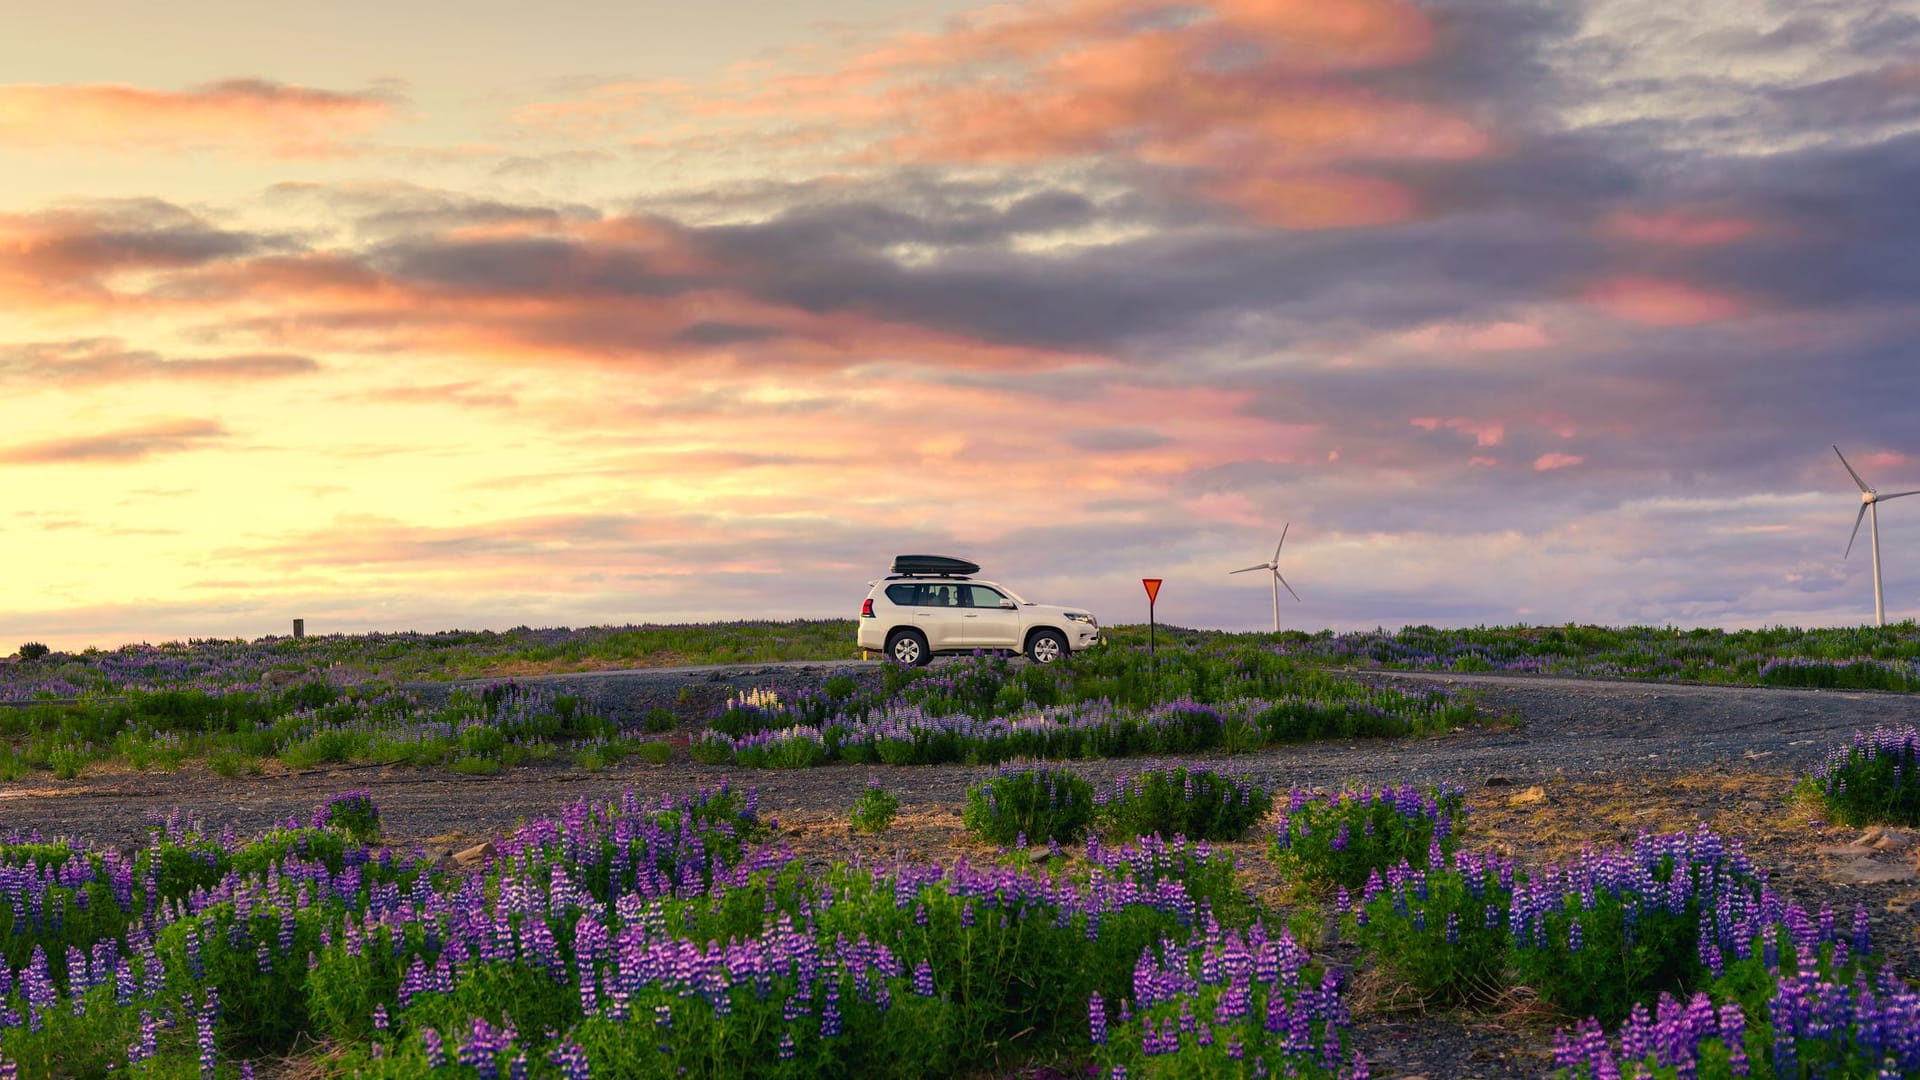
(901, 594)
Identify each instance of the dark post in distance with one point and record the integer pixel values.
(299, 629)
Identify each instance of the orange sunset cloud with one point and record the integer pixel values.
(241, 115)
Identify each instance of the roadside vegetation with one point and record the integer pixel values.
(642, 938)
(1861, 657)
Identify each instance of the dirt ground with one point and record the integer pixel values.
(1577, 762)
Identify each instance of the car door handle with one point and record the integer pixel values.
(969, 616)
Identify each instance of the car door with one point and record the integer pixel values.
(989, 624)
(938, 613)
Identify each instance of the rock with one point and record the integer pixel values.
(1039, 853)
(1897, 840)
(1902, 904)
(1870, 872)
(1867, 838)
(478, 853)
(1499, 781)
(1534, 794)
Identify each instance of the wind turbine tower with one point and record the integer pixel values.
(1870, 501)
(1278, 581)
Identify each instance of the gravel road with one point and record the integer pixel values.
(1570, 729)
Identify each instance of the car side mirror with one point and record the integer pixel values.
(1008, 605)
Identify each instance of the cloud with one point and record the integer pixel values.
(1117, 439)
(90, 362)
(1274, 110)
(117, 447)
(77, 256)
(395, 209)
(468, 394)
(1658, 302)
(237, 116)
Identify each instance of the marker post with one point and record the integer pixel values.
(1153, 593)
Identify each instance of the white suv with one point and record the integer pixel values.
(931, 604)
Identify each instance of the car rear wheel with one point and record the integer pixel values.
(908, 647)
(1046, 646)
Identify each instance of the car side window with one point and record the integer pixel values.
(983, 597)
(901, 594)
(938, 596)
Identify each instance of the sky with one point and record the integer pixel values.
(431, 316)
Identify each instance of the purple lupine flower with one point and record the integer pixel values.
(571, 1058)
(1097, 1019)
(203, 1029)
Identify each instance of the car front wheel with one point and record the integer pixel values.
(1046, 646)
(909, 648)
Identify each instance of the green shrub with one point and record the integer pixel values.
(353, 812)
(1197, 804)
(874, 810)
(658, 720)
(656, 753)
(1876, 778)
(1034, 802)
(68, 759)
(1342, 838)
(33, 650)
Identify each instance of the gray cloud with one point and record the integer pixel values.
(1101, 440)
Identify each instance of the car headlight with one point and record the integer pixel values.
(1076, 617)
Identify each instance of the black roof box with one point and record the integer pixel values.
(932, 564)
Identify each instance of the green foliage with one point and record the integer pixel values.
(1875, 779)
(1038, 802)
(1198, 804)
(659, 720)
(874, 810)
(1443, 932)
(354, 813)
(33, 650)
(1342, 838)
(655, 753)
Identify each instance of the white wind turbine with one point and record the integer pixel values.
(1870, 501)
(1278, 581)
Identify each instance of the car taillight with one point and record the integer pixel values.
(866, 608)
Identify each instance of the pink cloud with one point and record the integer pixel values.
(1485, 432)
(1662, 302)
(1679, 228)
(1545, 462)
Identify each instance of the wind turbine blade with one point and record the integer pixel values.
(1244, 569)
(1283, 541)
(1895, 495)
(1850, 472)
(1289, 588)
(1856, 528)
